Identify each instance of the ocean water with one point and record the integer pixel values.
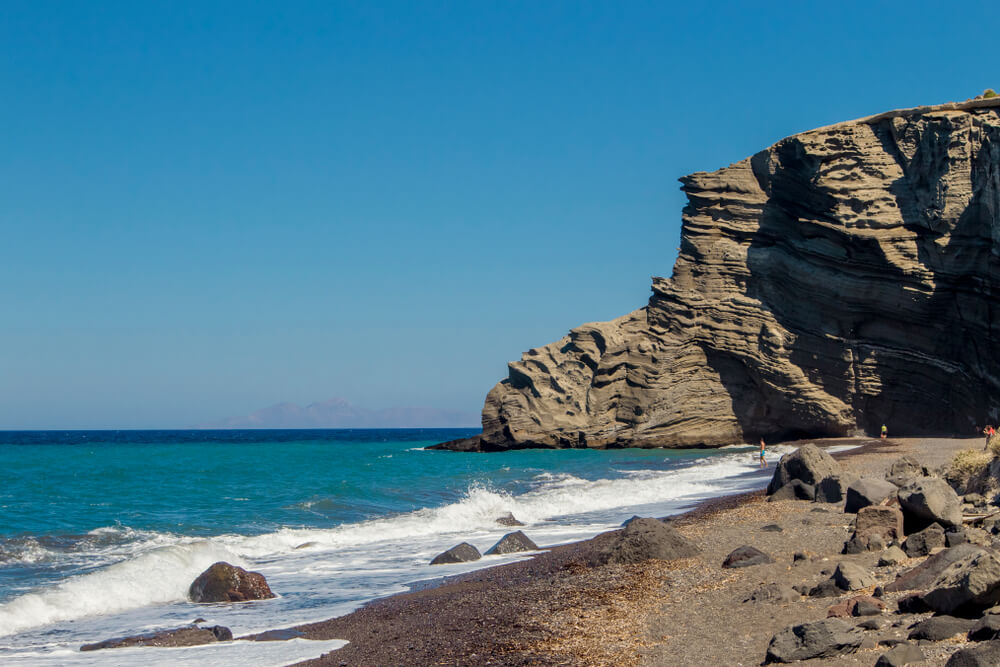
(102, 532)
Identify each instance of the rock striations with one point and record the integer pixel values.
(843, 278)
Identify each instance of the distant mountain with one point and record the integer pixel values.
(339, 413)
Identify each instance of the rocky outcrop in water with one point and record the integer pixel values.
(843, 278)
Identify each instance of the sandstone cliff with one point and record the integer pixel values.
(842, 278)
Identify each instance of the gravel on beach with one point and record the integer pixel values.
(556, 609)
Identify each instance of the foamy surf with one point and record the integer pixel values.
(142, 578)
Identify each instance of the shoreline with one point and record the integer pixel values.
(553, 608)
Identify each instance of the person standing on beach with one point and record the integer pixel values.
(990, 432)
(763, 461)
(885, 432)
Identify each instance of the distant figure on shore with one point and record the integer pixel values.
(763, 461)
(989, 431)
(885, 432)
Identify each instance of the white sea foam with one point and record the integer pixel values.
(323, 572)
(160, 575)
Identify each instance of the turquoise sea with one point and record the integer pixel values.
(101, 532)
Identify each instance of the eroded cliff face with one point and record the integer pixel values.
(843, 278)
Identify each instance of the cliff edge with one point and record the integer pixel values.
(843, 278)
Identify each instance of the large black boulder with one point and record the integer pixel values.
(808, 463)
(820, 639)
(512, 543)
(223, 582)
(644, 539)
(460, 553)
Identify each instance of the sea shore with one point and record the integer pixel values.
(557, 609)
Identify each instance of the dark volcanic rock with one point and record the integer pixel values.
(904, 469)
(509, 520)
(875, 521)
(921, 544)
(986, 654)
(852, 577)
(820, 639)
(187, 636)
(746, 556)
(923, 575)
(839, 276)
(794, 490)
(774, 593)
(223, 582)
(969, 583)
(865, 491)
(460, 553)
(830, 489)
(928, 500)
(645, 539)
(986, 628)
(512, 543)
(808, 464)
(900, 655)
(937, 628)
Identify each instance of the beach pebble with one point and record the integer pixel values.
(772, 528)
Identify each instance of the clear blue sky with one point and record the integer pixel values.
(206, 207)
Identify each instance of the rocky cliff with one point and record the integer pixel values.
(843, 278)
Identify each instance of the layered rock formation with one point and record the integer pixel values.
(843, 278)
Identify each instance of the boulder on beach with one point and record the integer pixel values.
(923, 575)
(794, 490)
(928, 500)
(968, 584)
(191, 635)
(808, 464)
(875, 521)
(937, 628)
(819, 639)
(900, 655)
(644, 539)
(512, 543)
(509, 520)
(773, 593)
(860, 605)
(905, 469)
(867, 491)
(985, 629)
(746, 556)
(925, 541)
(460, 553)
(831, 489)
(986, 654)
(223, 582)
(852, 577)
(891, 556)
